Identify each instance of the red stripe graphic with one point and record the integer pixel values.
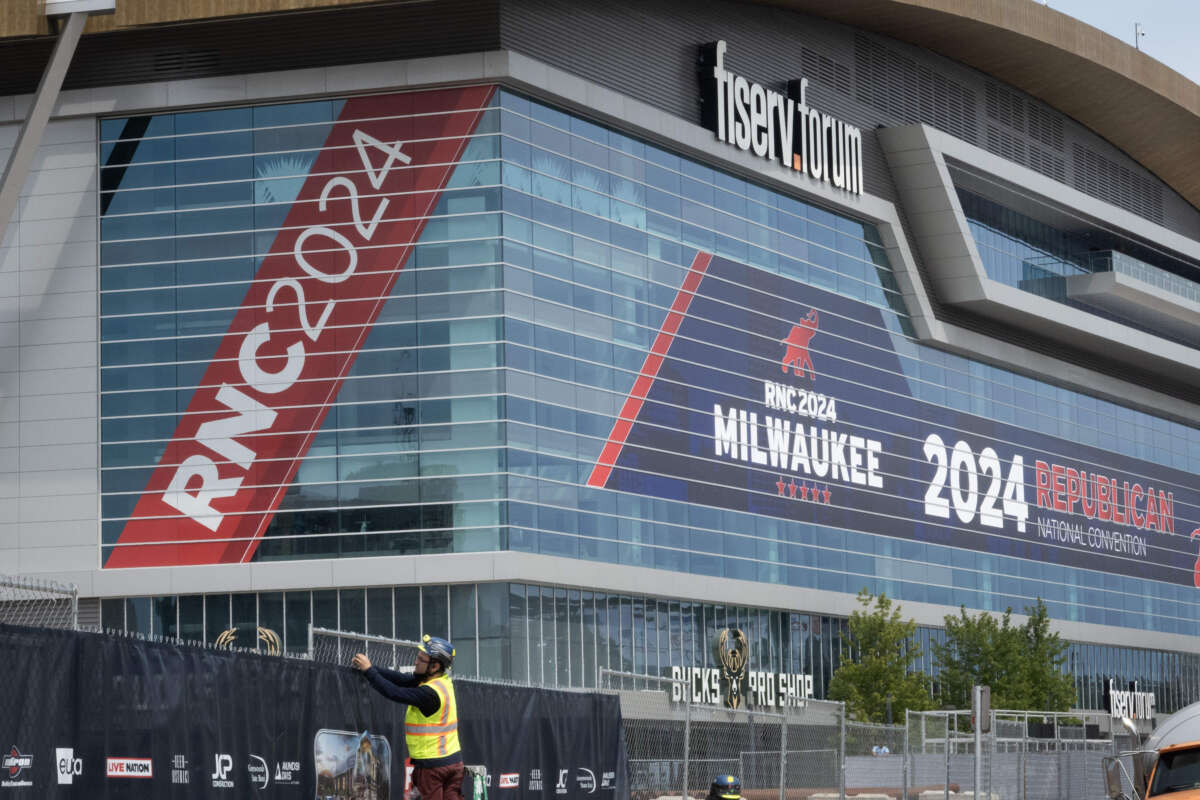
(314, 300)
(654, 359)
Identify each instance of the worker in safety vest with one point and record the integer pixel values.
(431, 724)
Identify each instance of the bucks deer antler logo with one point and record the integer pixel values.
(732, 650)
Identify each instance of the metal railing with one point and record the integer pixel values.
(1026, 755)
(38, 603)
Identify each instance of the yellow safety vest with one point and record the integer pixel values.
(437, 735)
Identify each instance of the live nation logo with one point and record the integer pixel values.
(129, 768)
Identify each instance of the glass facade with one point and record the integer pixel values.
(1027, 253)
(556, 636)
(489, 383)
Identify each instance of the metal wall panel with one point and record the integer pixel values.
(291, 40)
(648, 50)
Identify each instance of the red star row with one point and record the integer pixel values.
(790, 489)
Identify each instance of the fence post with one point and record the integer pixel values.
(842, 756)
(1024, 757)
(1058, 752)
(783, 756)
(976, 704)
(946, 789)
(687, 733)
(904, 763)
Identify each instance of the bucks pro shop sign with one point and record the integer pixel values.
(733, 684)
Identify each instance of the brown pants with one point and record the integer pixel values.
(439, 783)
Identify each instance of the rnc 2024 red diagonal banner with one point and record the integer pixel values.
(303, 320)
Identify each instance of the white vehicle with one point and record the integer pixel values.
(1166, 766)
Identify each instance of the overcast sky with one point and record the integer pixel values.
(1172, 27)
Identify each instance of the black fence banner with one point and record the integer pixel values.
(100, 716)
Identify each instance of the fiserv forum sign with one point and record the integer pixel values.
(779, 126)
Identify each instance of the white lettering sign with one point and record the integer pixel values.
(776, 126)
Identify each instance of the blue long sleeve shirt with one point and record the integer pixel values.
(404, 687)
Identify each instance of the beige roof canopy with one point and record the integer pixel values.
(1139, 104)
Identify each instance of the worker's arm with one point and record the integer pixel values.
(424, 698)
(405, 679)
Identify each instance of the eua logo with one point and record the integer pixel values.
(67, 765)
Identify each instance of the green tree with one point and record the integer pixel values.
(979, 650)
(1047, 686)
(877, 664)
(1022, 664)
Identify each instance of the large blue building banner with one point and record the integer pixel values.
(765, 395)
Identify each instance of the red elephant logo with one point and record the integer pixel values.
(797, 356)
(1196, 568)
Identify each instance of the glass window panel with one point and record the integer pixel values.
(379, 612)
(407, 612)
(352, 613)
(270, 616)
(325, 609)
(165, 617)
(216, 616)
(137, 615)
(191, 618)
(562, 632)
(435, 613)
(298, 615)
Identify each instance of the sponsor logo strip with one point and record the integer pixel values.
(282, 362)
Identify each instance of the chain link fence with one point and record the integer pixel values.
(339, 647)
(676, 746)
(38, 603)
(1026, 755)
(874, 756)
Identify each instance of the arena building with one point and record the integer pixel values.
(578, 331)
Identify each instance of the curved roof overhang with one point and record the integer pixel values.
(1138, 104)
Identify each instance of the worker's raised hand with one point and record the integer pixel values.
(361, 662)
